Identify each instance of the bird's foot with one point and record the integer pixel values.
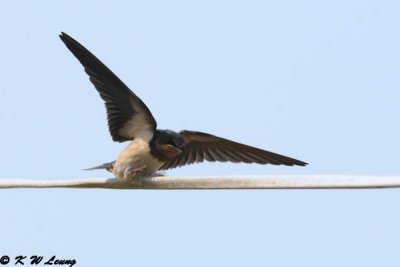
(131, 173)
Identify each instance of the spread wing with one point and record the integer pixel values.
(127, 115)
(201, 146)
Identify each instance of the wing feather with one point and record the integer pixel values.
(128, 117)
(201, 147)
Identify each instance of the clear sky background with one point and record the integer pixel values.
(315, 80)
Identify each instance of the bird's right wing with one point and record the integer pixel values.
(128, 117)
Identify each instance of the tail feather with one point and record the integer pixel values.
(108, 166)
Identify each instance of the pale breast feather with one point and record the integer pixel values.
(136, 155)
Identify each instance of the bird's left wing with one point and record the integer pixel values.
(202, 146)
(128, 117)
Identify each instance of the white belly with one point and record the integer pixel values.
(137, 155)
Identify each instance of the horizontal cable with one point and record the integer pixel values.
(224, 182)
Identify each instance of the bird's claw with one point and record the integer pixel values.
(130, 173)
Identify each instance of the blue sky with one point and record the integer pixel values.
(315, 80)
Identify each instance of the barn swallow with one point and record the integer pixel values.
(151, 149)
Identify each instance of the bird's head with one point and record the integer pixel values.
(167, 144)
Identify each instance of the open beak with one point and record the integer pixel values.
(179, 150)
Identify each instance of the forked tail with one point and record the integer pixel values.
(108, 166)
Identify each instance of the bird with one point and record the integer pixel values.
(152, 150)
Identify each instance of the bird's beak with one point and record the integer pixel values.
(179, 150)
